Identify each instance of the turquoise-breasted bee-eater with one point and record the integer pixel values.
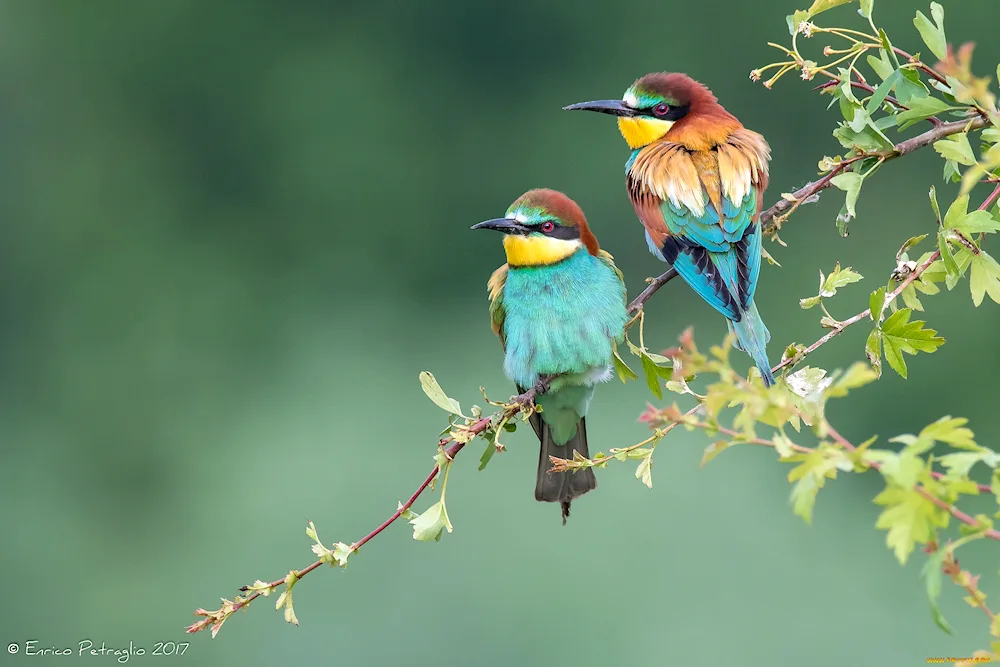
(558, 306)
(696, 178)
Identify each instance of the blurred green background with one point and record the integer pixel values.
(233, 235)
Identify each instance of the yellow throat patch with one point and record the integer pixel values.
(639, 132)
(537, 250)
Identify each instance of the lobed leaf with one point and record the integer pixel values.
(984, 278)
(429, 525)
(909, 518)
(900, 335)
(933, 33)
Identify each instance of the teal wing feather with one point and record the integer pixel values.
(607, 258)
(718, 256)
(495, 287)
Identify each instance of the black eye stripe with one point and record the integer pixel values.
(564, 232)
(673, 112)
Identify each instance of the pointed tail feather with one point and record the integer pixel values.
(752, 337)
(561, 487)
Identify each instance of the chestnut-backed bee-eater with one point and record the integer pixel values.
(558, 306)
(696, 178)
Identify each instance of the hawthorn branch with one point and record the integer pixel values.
(866, 313)
(654, 284)
(452, 447)
(772, 218)
(889, 298)
(868, 88)
(965, 580)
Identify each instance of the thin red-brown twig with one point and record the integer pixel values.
(989, 201)
(519, 402)
(951, 509)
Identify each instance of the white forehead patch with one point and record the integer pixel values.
(521, 217)
(630, 99)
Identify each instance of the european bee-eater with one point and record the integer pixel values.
(558, 306)
(696, 178)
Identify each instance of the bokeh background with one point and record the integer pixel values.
(234, 233)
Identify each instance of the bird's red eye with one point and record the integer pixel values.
(548, 226)
(661, 109)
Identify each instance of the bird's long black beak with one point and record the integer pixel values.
(611, 107)
(505, 225)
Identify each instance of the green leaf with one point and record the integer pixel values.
(434, 392)
(850, 182)
(406, 514)
(838, 278)
(866, 139)
(952, 431)
(957, 211)
(809, 476)
(866, 8)
(910, 519)
(978, 222)
(961, 261)
(644, 472)
(881, 65)
(488, 453)
(654, 373)
(960, 463)
(984, 278)
(783, 445)
(900, 335)
(903, 469)
(933, 33)
(894, 356)
(957, 148)
(932, 580)
(341, 553)
(932, 194)
(881, 92)
(624, 372)
(819, 6)
(910, 299)
(921, 108)
(947, 258)
(909, 243)
(952, 174)
(860, 119)
(665, 364)
(873, 350)
(910, 87)
(858, 375)
(809, 302)
(793, 20)
(828, 285)
(429, 525)
(285, 600)
(876, 303)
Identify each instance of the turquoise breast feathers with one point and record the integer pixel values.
(562, 318)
